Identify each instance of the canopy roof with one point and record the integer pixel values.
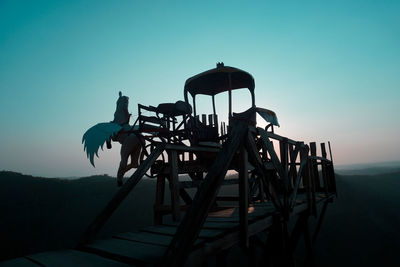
(217, 80)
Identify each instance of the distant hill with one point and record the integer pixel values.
(368, 169)
(361, 227)
(39, 214)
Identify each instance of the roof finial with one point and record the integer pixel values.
(220, 64)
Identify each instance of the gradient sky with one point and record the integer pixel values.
(329, 69)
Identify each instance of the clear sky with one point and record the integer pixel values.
(329, 69)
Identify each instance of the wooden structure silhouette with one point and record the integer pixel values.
(278, 180)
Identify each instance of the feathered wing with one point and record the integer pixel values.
(96, 136)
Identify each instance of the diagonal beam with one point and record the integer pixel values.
(303, 163)
(106, 213)
(270, 148)
(194, 218)
(255, 156)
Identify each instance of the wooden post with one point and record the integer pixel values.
(160, 191)
(285, 178)
(307, 177)
(213, 103)
(314, 166)
(210, 120)
(243, 197)
(332, 171)
(292, 165)
(216, 121)
(204, 119)
(312, 186)
(174, 185)
(324, 169)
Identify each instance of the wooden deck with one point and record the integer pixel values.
(148, 245)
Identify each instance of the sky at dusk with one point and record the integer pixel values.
(329, 69)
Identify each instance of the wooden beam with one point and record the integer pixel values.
(293, 156)
(285, 177)
(324, 169)
(255, 156)
(191, 148)
(243, 197)
(300, 174)
(160, 191)
(270, 148)
(105, 214)
(174, 185)
(314, 167)
(194, 218)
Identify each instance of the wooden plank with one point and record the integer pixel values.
(72, 258)
(223, 219)
(127, 251)
(191, 148)
(22, 262)
(146, 237)
(204, 199)
(227, 241)
(219, 225)
(105, 214)
(171, 230)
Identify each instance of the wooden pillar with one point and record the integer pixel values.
(204, 119)
(332, 170)
(324, 169)
(243, 197)
(174, 185)
(160, 191)
(314, 166)
(285, 178)
(307, 183)
(292, 165)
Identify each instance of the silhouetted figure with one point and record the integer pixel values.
(117, 130)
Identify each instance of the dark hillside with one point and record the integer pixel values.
(40, 214)
(362, 226)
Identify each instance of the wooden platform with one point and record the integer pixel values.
(148, 245)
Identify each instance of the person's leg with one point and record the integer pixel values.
(136, 148)
(125, 152)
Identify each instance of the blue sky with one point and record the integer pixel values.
(329, 69)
